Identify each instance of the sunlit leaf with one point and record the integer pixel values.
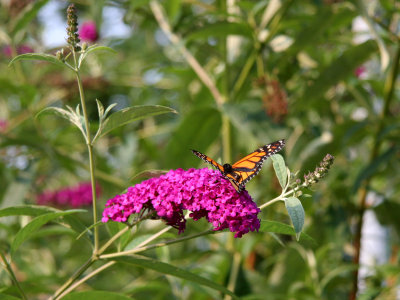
(25, 210)
(35, 224)
(296, 213)
(38, 56)
(281, 228)
(131, 114)
(280, 169)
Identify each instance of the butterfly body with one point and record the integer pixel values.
(245, 169)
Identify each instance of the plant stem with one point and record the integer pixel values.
(90, 151)
(281, 196)
(388, 92)
(87, 277)
(115, 237)
(158, 13)
(12, 275)
(234, 274)
(61, 291)
(141, 249)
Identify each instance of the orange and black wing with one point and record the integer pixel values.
(209, 160)
(249, 166)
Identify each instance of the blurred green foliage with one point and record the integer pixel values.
(285, 69)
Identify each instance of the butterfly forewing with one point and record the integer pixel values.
(246, 168)
(208, 160)
(250, 165)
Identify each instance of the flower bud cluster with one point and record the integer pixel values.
(320, 171)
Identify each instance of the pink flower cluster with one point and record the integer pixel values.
(22, 49)
(77, 196)
(88, 32)
(201, 191)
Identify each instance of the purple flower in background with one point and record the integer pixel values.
(76, 196)
(3, 125)
(22, 49)
(360, 72)
(88, 32)
(201, 191)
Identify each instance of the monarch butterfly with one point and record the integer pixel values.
(245, 169)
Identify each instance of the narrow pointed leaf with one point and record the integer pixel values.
(29, 13)
(281, 228)
(71, 116)
(280, 169)
(38, 56)
(100, 109)
(25, 210)
(35, 224)
(131, 114)
(168, 269)
(296, 213)
(94, 48)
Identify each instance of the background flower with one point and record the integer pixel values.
(88, 32)
(77, 196)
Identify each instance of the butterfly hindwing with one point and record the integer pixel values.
(245, 169)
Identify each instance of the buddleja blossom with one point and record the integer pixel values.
(201, 191)
(88, 32)
(77, 196)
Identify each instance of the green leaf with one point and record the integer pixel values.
(388, 213)
(168, 269)
(95, 295)
(280, 169)
(198, 130)
(131, 114)
(8, 297)
(27, 16)
(373, 167)
(221, 29)
(35, 224)
(249, 119)
(281, 228)
(339, 69)
(296, 213)
(38, 56)
(73, 116)
(94, 48)
(147, 174)
(25, 210)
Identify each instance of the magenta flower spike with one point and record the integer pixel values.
(204, 192)
(77, 196)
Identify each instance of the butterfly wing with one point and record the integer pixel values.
(209, 160)
(249, 166)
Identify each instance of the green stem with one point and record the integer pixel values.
(162, 244)
(76, 275)
(244, 73)
(87, 277)
(388, 92)
(12, 275)
(234, 274)
(90, 151)
(281, 196)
